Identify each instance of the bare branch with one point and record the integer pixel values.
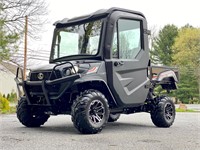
(14, 12)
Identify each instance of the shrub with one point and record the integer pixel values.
(12, 97)
(4, 105)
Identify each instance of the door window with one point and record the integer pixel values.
(127, 39)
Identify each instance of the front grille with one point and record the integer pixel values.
(35, 75)
(38, 89)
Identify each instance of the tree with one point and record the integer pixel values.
(151, 39)
(12, 14)
(162, 51)
(187, 47)
(188, 86)
(187, 26)
(8, 42)
(187, 57)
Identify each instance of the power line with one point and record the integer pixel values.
(28, 58)
(41, 52)
(33, 55)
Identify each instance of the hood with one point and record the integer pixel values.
(43, 67)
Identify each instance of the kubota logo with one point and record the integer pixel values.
(40, 76)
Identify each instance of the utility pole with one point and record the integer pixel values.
(25, 46)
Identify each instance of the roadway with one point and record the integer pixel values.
(130, 132)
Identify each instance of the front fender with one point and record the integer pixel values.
(98, 83)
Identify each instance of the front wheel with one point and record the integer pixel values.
(90, 112)
(28, 117)
(164, 113)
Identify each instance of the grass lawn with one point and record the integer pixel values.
(183, 110)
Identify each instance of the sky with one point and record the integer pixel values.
(158, 13)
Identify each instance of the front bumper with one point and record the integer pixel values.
(24, 87)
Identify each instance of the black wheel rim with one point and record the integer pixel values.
(169, 111)
(96, 112)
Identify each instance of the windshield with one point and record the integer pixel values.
(81, 39)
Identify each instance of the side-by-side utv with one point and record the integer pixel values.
(99, 68)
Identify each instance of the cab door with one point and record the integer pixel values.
(127, 68)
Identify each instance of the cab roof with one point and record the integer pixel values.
(97, 14)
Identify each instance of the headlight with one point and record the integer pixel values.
(67, 72)
(74, 70)
(70, 71)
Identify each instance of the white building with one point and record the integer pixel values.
(7, 83)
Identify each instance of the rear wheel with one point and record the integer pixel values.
(164, 113)
(113, 117)
(28, 117)
(90, 112)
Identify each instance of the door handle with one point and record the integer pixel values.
(118, 63)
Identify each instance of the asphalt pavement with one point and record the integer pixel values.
(130, 132)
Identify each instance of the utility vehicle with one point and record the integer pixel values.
(99, 68)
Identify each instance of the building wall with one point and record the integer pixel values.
(7, 83)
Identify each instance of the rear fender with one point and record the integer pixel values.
(167, 79)
(166, 75)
